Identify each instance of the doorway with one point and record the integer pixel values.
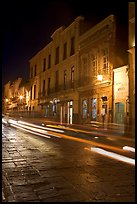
(119, 113)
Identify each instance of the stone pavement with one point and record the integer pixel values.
(36, 169)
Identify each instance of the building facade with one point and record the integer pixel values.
(54, 75)
(96, 63)
(121, 91)
(64, 75)
(131, 51)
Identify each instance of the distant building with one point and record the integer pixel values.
(16, 97)
(11, 95)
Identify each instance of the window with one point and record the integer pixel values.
(65, 51)
(48, 86)
(72, 74)
(31, 72)
(84, 67)
(72, 77)
(35, 70)
(105, 61)
(93, 108)
(72, 50)
(94, 64)
(49, 62)
(43, 92)
(84, 108)
(31, 92)
(44, 64)
(57, 56)
(34, 91)
(56, 79)
(65, 76)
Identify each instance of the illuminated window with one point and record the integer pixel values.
(84, 108)
(93, 108)
(94, 64)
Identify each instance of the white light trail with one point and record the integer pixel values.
(36, 133)
(4, 121)
(129, 148)
(34, 130)
(113, 155)
(44, 128)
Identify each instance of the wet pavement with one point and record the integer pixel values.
(36, 169)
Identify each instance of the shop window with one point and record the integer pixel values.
(54, 106)
(93, 108)
(84, 108)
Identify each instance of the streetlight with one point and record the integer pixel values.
(21, 97)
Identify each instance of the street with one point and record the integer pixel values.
(61, 167)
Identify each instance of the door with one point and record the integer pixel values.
(119, 113)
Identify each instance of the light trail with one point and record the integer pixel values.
(131, 149)
(36, 133)
(89, 132)
(43, 128)
(33, 130)
(113, 155)
(95, 149)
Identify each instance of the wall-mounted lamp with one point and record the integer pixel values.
(99, 77)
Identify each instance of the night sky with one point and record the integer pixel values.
(27, 26)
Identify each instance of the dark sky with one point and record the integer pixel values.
(27, 26)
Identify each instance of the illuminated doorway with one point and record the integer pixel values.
(70, 112)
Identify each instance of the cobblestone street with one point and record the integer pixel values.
(36, 169)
